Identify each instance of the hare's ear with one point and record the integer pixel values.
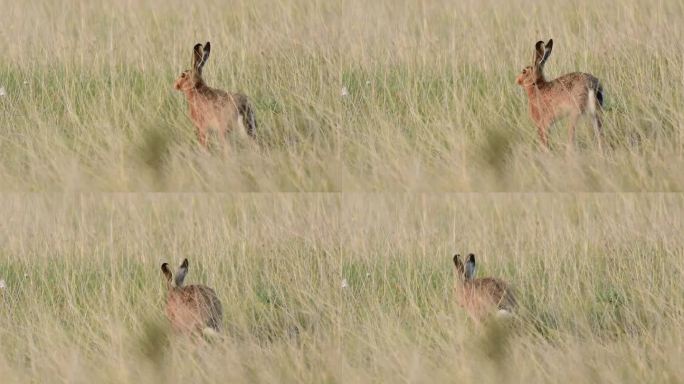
(205, 54)
(470, 267)
(197, 57)
(167, 272)
(538, 52)
(202, 55)
(182, 271)
(460, 270)
(547, 51)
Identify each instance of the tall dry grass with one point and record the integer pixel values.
(598, 280)
(431, 105)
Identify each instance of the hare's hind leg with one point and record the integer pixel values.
(595, 104)
(597, 122)
(249, 121)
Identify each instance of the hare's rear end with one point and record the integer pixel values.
(191, 308)
(481, 297)
(573, 95)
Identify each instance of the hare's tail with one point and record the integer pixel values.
(248, 118)
(596, 109)
(210, 334)
(504, 314)
(595, 99)
(599, 95)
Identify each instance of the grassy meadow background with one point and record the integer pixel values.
(431, 106)
(598, 280)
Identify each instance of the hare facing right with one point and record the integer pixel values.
(573, 95)
(482, 296)
(191, 308)
(211, 108)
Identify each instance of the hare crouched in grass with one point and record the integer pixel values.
(211, 108)
(483, 296)
(572, 95)
(191, 308)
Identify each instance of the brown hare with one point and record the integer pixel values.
(211, 108)
(483, 296)
(571, 95)
(191, 308)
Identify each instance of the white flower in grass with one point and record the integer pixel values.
(3, 285)
(3, 92)
(344, 92)
(368, 82)
(344, 285)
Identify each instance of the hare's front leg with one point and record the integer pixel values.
(543, 137)
(201, 135)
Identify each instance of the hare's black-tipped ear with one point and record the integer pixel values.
(470, 267)
(167, 272)
(459, 265)
(182, 271)
(538, 52)
(547, 51)
(197, 56)
(201, 55)
(549, 45)
(207, 50)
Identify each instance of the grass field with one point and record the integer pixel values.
(87, 108)
(432, 104)
(598, 281)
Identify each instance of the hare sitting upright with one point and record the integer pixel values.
(191, 308)
(573, 95)
(211, 108)
(483, 296)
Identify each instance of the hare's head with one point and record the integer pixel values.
(465, 272)
(180, 275)
(534, 73)
(191, 78)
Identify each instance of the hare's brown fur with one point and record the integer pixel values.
(191, 308)
(211, 108)
(571, 95)
(482, 296)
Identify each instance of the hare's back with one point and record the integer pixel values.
(577, 83)
(200, 297)
(496, 290)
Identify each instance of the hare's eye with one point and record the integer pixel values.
(183, 75)
(524, 71)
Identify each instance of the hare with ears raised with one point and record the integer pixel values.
(572, 95)
(191, 308)
(211, 108)
(482, 296)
